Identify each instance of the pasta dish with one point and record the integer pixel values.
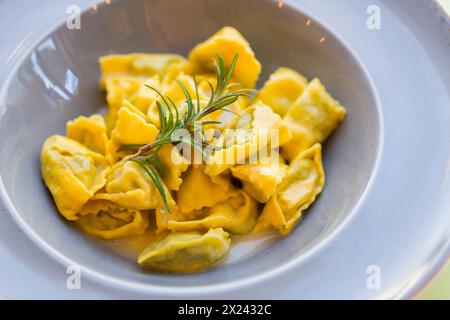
(190, 153)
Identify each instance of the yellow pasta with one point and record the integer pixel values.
(117, 90)
(227, 42)
(190, 155)
(237, 215)
(174, 165)
(91, 132)
(282, 90)
(72, 172)
(303, 182)
(145, 96)
(137, 65)
(125, 76)
(131, 128)
(261, 180)
(128, 187)
(252, 133)
(186, 252)
(107, 221)
(311, 119)
(213, 190)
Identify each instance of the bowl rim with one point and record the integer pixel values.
(174, 291)
(443, 256)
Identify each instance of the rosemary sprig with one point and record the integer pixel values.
(171, 120)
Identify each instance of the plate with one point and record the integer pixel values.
(384, 207)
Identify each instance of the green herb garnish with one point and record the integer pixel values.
(171, 120)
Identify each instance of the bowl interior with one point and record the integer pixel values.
(58, 81)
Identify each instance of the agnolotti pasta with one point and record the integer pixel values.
(303, 182)
(108, 221)
(282, 89)
(174, 165)
(190, 155)
(90, 132)
(127, 187)
(136, 65)
(186, 252)
(214, 190)
(311, 119)
(261, 180)
(254, 129)
(125, 76)
(72, 172)
(227, 42)
(237, 215)
(132, 127)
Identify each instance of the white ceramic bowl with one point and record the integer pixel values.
(384, 203)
